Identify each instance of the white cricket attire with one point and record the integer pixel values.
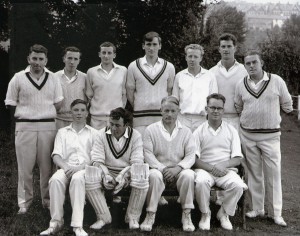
(75, 149)
(214, 147)
(192, 92)
(227, 81)
(161, 151)
(259, 106)
(35, 129)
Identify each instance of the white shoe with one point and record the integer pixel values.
(53, 229)
(148, 222)
(162, 201)
(279, 221)
(98, 224)
(22, 210)
(224, 219)
(255, 213)
(117, 199)
(187, 224)
(133, 224)
(204, 223)
(79, 231)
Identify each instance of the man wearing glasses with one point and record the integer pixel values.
(218, 151)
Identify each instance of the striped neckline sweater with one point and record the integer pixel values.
(260, 110)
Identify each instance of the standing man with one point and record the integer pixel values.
(169, 149)
(258, 99)
(228, 73)
(105, 87)
(73, 85)
(34, 94)
(192, 86)
(117, 162)
(72, 152)
(149, 79)
(218, 151)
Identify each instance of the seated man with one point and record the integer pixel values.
(169, 149)
(72, 148)
(117, 161)
(218, 149)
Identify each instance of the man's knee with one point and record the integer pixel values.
(155, 176)
(187, 175)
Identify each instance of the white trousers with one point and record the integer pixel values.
(33, 147)
(263, 159)
(100, 122)
(232, 184)
(184, 184)
(61, 123)
(191, 121)
(58, 184)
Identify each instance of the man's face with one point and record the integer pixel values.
(253, 65)
(79, 113)
(227, 49)
(152, 47)
(169, 112)
(117, 127)
(215, 109)
(193, 58)
(107, 55)
(71, 60)
(37, 61)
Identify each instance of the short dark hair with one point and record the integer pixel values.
(79, 101)
(38, 49)
(120, 112)
(150, 36)
(228, 36)
(108, 44)
(71, 49)
(217, 96)
(251, 52)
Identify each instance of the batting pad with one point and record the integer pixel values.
(139, 176)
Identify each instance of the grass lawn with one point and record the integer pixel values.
(168, 217)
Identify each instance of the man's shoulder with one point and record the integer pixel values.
(81, 74)
(91, 69)
(153, 126)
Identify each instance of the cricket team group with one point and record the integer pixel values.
(188, 131)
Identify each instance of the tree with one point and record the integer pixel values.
(281, 53)
(221, 18)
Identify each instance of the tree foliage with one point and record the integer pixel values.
(281, 53)
(221, 18)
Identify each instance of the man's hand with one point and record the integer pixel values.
(219, 170)
(170, 173)
(71, 170)
(109, 182)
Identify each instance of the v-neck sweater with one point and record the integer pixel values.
(260, 110)
(104, 152)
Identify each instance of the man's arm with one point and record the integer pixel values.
(189, 146)
(58, 94)
(136, 155)
(171, 79)
(130, 85)
(285, 98)
(124, 96)
(69, 170)
(149, 152)
(175, 90)
(238, 102)
(89, 92)
(213, 86)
